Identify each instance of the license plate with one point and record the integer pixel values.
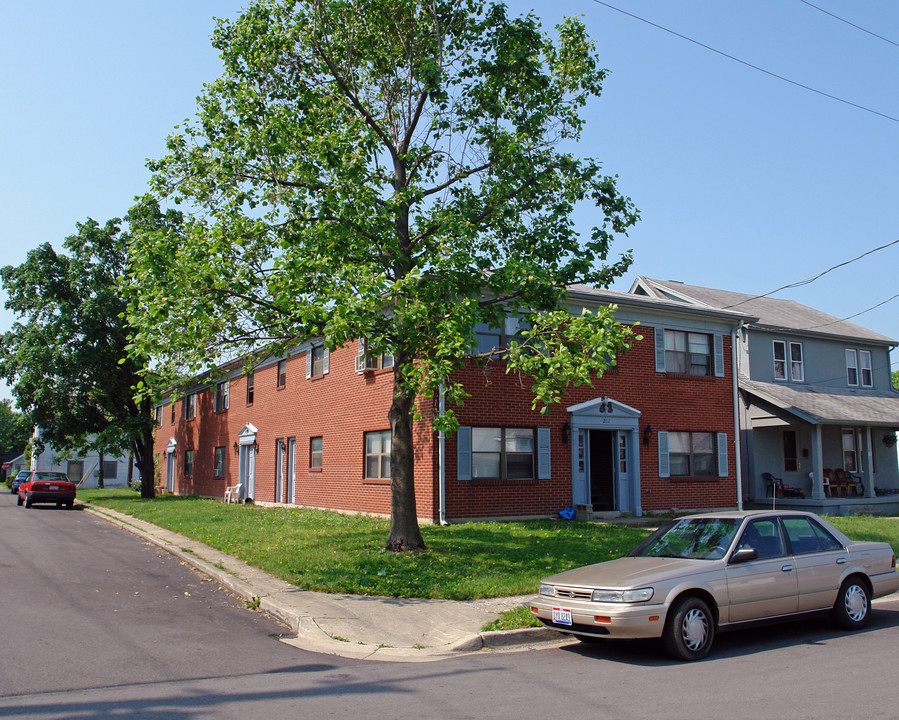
(54, 487)
(562, 616)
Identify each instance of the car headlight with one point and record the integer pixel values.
(623, 596)
(547, 589)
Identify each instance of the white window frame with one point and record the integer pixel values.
(865, 370)
(190, 406)
(689, 337)
(800, 363)
(219, 467)
(852, 367)
(383, 455)
(855, 449)
(222, 396)
(784, 374)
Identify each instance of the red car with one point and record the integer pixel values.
(47, 487)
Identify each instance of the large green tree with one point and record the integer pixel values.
(66, 357)
(15, 428)
(395, 170)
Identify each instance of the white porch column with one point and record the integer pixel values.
(817, 467)
(869, 466)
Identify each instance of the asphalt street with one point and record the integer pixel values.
(99, 624)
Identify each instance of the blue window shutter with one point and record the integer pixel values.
(659, 337)
(719, 355)
(326, 361)
(664, 467)
(544, 471)
(309, 363)
(463, 453)
(722, 454)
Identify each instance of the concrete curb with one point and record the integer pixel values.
(296, 608)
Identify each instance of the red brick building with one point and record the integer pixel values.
(657, 431)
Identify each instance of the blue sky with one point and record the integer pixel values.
(744, 181)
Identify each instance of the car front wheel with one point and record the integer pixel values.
(689, 630)
(852, 610)
(19, 500)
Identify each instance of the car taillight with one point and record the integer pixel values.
(893, 564)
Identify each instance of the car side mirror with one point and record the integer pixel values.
(744, 554)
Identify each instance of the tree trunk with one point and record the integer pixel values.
(100, 477)
(404, 531)
(143, 451)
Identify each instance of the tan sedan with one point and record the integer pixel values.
(701, 574)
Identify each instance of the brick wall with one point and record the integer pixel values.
(342, 405)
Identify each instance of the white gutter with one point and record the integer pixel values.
(737, 442)
(441, 472)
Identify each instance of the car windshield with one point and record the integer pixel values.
(695, 538)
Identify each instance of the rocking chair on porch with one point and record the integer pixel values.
(779, 489)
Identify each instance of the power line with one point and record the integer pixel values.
(812, 279)
(843, 20)
(748, 64)
(862, 312)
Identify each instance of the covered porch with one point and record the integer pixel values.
(833, 450)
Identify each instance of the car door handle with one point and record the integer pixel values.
(841, 561)
(787, 568)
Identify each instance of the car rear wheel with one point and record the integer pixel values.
(28, 501)
(852, 609)
(689, 630)
(70, 504)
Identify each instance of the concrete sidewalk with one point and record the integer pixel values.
(353, 626)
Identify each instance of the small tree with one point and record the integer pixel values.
(67, 359)
(393, 170)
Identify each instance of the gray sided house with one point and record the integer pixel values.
(817, 407)
(84, 470)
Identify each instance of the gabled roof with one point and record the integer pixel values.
(773, 314)
(605, 296)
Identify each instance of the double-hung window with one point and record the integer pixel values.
(220, 462)
(790, 367)
(502, 453)
(858, 368)
(688, 353)
(250, 388)
(190, 406)
(691, 454)
(282, 373)
(222, 392)
(188, 463)
(851, 457)
(318, 361)
(377, 455)
(366, 362)
(315, 453)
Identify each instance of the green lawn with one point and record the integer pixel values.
(335, 553)
(329, 552)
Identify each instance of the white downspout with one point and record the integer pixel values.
(737, 442)
(441, 472)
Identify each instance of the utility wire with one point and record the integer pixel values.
(812, 279)
(748, 64)
(857, 27)
(862, 312)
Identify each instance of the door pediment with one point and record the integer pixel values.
(603, 407)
